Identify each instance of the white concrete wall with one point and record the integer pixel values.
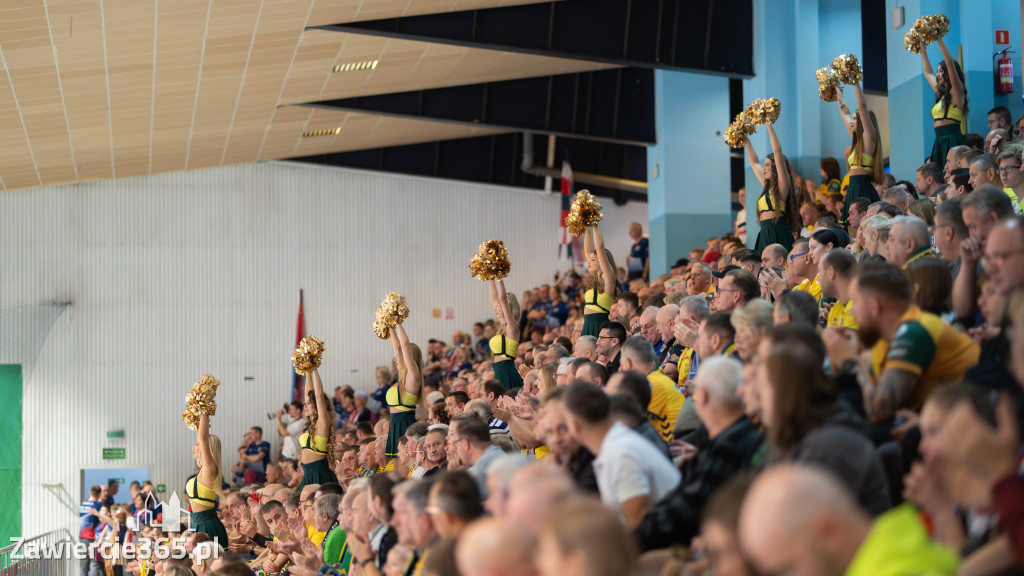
(176, 275)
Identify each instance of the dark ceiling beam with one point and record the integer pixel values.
(704, 36)
(497, 160)
(614, 105)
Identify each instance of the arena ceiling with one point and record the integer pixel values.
(98, 89)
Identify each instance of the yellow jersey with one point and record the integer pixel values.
(666, 402)
(927, 347)
(841, 316)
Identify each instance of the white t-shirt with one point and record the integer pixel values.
(629, 466)
(290, 443)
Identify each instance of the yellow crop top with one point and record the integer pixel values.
(764, 204)
(866, 162)
(951, 113)
(318, 446)
(199, 493)
(502, 346)
(407, 403)
(600, 303)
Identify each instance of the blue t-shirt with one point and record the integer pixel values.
(560, 311)
(253, 449)
(638, 256)
(88, 520)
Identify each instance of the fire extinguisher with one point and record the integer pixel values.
(1004, 72)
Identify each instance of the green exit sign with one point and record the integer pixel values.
(113, 453)
(115, 433)
(161, 488)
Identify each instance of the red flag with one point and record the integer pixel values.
(567, 185)
(298, 386)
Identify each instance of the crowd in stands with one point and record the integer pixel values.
(848, 404)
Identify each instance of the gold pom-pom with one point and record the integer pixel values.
(491, 261)
(391, 313)
(585, 212)
(829, 88)
(308, 355)
(735, 137)
(847, 69)
(200, 400)
(763, 110)
(926, 30)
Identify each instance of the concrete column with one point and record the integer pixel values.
(688, 170)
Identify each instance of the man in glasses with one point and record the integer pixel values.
(1010, 174)
(609, 340)
(982, 210)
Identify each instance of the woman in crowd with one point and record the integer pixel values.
(831, 182)
(864, 160)
(317, 442)
(403, 396)
(751, 322)
(932, 285)
(777, 213)
(206, 487)
(874, 231)
(506, 341)
(950, 110)
(604, 287)
(806, 423)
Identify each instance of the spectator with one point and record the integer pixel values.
(631, 476)
(638, 260)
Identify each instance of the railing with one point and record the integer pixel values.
(50, 554)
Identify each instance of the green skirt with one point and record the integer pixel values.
(592, 323)
(771, 232)
(506, 373)
(946, 137)
(316, 472)
(207, 522)
(860, 187)
(400, 422)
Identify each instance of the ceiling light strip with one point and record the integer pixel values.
(323, 132)
(356, 66)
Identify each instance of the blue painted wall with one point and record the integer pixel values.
(840, 33)
(688, 201)
(972, 24)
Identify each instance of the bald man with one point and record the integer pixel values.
(800, 520)
(495, 547)
(909, 240)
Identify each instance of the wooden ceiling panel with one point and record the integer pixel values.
(119, 88)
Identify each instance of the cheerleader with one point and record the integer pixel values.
(864, 162)
(503, 345)
(775, 213)
(207, 486)
(403, 396)
(950, 110)
(604, 288)
(317, 442)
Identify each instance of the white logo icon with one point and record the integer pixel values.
(170, 512)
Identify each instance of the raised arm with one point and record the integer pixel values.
(956, 88)
(211, 468)
(588, 241)
(412, 375)
(323, 425)
(755, 162)
(926, 64)
(844, 113)
(511, 325)
(607, 272)
(870, 138)
(281, 428)
(782, 175)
